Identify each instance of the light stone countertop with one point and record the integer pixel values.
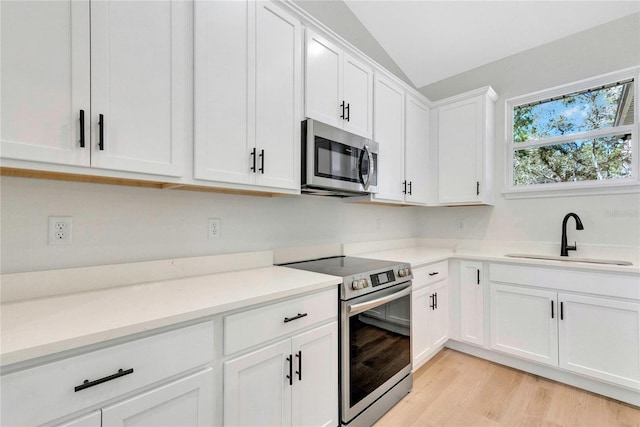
(420, 255)
(40, 327)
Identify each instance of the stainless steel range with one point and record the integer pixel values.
(375, 334)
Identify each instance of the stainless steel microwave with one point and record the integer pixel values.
(337, 163)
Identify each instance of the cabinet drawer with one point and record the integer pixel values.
(47, 392)
(423, 276)
(248, 328)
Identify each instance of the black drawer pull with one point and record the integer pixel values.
(87, 383)
(289, 319)
(434, 273)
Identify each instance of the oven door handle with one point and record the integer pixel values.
(364, 306)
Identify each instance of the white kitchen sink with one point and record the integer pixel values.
(564, 258)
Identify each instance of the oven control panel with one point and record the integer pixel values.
(383, 278)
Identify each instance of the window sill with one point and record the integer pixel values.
(579, 189)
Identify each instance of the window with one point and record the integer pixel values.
(582, 135)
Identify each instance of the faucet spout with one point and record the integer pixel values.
(564, 248)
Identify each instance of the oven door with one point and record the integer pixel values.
(376, 346)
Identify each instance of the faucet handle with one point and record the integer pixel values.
(572, 248)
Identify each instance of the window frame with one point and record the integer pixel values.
(610, 186)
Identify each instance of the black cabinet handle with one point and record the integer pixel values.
(348, 113)
(432, 302)
(435, 273)
(477, 188)
(87, 383)
(253, 160)
(478, 276)
(435, 303)
(410, 182)
(561, 310)
(290, 376)
(289, 319)
(342, 106)
(404, 187)
(261, 162)
(81, 128)
(552, 314)
(299, 371)
(101, 126)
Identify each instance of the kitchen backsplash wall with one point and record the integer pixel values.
(114, 224)
(608, 219)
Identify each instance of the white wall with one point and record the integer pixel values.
(609, 219)
(115, 224)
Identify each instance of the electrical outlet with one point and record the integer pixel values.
(60, 228)
(214, 228)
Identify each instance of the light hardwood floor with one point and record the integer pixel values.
(455, 389)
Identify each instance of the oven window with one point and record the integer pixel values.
(379, 346)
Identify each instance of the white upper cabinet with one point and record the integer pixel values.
(389, 133)
(339, 88)
(45, 81)
(99, 84)
(248, 92)
(138, 95)
(465, 133)
(416, 150)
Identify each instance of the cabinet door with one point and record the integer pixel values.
(416, 150)
(45, 81)
(388, 131)
(471, 303)
(278, 97)
(459, 151)
(94, 419)
(421, 307)
(600, 338)
(315, 386)
(186, 402)
(358, 94)
(222, 145)
(524, 323)
(256, 388)
(439, 322)
(139, 70)
(323, 80)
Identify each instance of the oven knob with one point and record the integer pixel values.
(364, 283)
(401, 272)
(407, 271)
(355, 284)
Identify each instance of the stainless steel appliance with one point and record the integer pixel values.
(337, 163)
(375, 334)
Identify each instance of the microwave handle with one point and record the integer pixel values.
(366, 183)
(364, 306)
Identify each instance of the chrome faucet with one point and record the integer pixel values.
(564, 249)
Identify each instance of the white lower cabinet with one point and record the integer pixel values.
(186, 402)
(600, 337)
(471, 303)
(591, 335)
(429, 312)
(524, 323)
(157, 370)
(291, 382)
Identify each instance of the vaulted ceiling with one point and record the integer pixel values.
(433, 40)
